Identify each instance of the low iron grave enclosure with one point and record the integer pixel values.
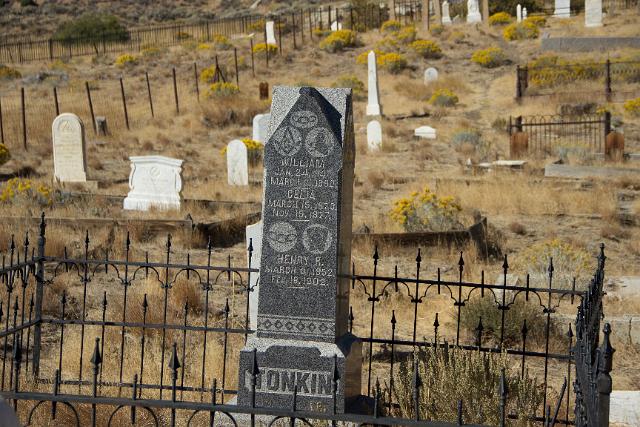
(98, 335)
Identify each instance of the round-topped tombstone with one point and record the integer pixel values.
(430, 75)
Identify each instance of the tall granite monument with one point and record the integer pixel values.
(302, 340)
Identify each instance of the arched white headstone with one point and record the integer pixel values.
(430, 75)
(237, 163)
(69, 151)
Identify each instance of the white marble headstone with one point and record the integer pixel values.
(593, 13)
(254, 237)
(271, 35)
(473, 12)
(69, 151)
(426, 132)
(562, 9)
(335, 26)
(373, 103)
(446, 18)
(519, 12)
(374, 135)
(237, 163)
(154, 181)
(261, 127)
(430, 75)
(524, 13)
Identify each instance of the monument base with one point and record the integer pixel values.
(473, 18)
(136, 203)
(311, 367)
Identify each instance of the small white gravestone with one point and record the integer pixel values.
(253, 235)
(519, 13)
(335, 26)
(271, 36)
(237, 163)
(430, 75)
(374, 135)
(260, 127)
(524, 13)
(154, 181)
(446, 18)
(426, 132)
(593, 13)
(562, 9)
(69, 151)
(373, 103)
(473, 12)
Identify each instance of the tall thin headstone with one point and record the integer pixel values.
(374, 135)
(562, 9)
(519, 12)
(373, 103)
(237, 163)
(473, 12)
(69, 151)
(524, 13)
(446, 19)
(302, 340)
(271, 35)
(593, 13)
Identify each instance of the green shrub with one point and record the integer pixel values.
(5, 155)
(392, 62)
(9, 73)
(426, 211)
(437, 29)
(489, 58)
(521, 31)
(450, 374)
(221, 42)
(500, 18)
(260, 49)
(632, 107)
(443, 98)
(390, 26)
(470, 140)
(538, 21)
(352, 82)
(427, 49)
(125, 60)
(338, 40)
(222, 89)
(406, 34)
(92, 27)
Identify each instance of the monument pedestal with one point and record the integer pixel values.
(315, 368)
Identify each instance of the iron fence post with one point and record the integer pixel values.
(604, 378)
(607, 80)
(37, 332)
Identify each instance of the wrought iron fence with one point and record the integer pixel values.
(554, 133)
(618, 79)
(103, 333)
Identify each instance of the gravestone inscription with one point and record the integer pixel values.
(302, 337)
(69, 151)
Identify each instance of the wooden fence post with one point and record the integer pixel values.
(24, 119)
(93, 117)
(279, 36)
(1, 124)
(195, 79)
(253, 67)
(175, 90)
(146, 74)
(235, 60)
(302, 25)
(55, 100)
(607, 81)
(124, 104)
(266, 47)
(293, 30)
(50, 49)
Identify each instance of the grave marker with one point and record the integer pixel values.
(69, 149)
(519, 13)
(426, 132)
(302, 337)
(473, 12)
(264, 90)
(260, 127)
(271, 35)
(593, 13)
(154, 181)
(614, 146)
(430, 75)
(446, 19)
(237, 163)
(374, 135)
(373, 103)
(518, 145)
(524, 13)
(562, 9)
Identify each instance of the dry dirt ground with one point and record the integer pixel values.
(523, 207)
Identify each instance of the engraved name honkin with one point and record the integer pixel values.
(285, 381)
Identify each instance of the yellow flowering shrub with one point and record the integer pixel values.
(632, 107)
(538, 21)
(392, 62)
(500, 18)
(183, 36)
(338, 40)
(8, 73)
(425, 211)
(257, 26)
(254, 150)
(150, 51)
(260, 49)
(125, 60)
(436, 29)
(490, 57)
(5, 155)
(25, 189)
(568, 262)
(320, 34)
(208, 74)
(390, 26)
(406, 34)
(204, 46)
(551, 70)
(521, 30)
(443, 98)
(222, 89)
(427, 49)
(221, 42)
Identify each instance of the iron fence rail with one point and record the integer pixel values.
(55, 310)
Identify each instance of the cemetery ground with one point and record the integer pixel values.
(523, 207)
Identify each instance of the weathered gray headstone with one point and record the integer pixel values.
(260, 127)
(253, 236)
(154, 181)
(69, 149)
(373, 102)
(237, 163)
(446, 19)
(302, 337)
(374, 135)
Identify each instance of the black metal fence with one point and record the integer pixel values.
(108, 334)
(553, 134)
(616, 80)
